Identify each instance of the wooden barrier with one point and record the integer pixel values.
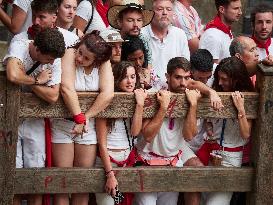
(258, 180)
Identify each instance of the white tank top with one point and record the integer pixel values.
(86, 82)
(117, 136)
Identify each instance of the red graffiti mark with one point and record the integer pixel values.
(141, 181)
(63, 183)
(2, 134)
(171, 106)
(148, 102)
(48, 179)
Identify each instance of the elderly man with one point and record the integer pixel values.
(166, 40)
(217, 36)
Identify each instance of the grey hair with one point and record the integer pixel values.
(236, 46)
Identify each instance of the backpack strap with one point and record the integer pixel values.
(91, 19)
(33, 68)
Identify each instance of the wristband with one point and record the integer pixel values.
(107, 173)
(79, 118)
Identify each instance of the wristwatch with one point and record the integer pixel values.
(36, 80)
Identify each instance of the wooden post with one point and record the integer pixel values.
(9, 111)
(263, 140)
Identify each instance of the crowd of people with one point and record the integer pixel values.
(64, 46)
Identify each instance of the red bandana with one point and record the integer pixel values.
(102, 10)
(263, 45)
(217, 23)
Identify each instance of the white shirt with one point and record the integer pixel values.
(216, 42)
(262, 52)
(69, 37)
(84, 10)
(117, 136)
(26, 7)
(20, 49)
(167, 142)
(86, 82)
(232, 136)
(175, 44)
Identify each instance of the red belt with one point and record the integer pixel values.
(232, 149)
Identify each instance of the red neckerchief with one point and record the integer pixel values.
(102, 10)
(217, 23)
(31, 33)
(263, 45)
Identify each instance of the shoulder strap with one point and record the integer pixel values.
(91, 19)
(223, 132)
(33, 68)
(71, 28)
(127, 133)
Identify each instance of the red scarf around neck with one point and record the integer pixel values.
(217, 23)
(102, 10)
(263, 45)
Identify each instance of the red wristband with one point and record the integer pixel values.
(79, 118)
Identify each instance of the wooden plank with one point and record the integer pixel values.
(3, 99)
(140, 179)
(263, 141)
(123, 106)
(8, 141)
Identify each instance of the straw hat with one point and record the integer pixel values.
(111, 36)
(113, 12)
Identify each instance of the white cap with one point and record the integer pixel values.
(111, 36)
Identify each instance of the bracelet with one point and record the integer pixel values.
(79, 118)
(109, 172)
(241, 115)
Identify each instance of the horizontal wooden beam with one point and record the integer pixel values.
(123, 106)
(140, 179)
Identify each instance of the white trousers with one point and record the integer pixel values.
(31, 144)
(156, 198)
(230, 159)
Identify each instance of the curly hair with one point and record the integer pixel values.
(133, 44)
(120, 71)
(201, 60)
(50, 6)
(50, 41)
(97, 45)
(237, 72)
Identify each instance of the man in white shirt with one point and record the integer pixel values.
(163, 141)
(166, 41)
(43, 79)
(262, 24)
(217, 36)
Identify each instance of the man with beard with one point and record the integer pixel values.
(163, 141)
(129, 18)
(44, 15)
(262, 24)
(217, 36)
(187, 18)
(166, 40)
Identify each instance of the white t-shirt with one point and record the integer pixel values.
(167, 142)
(262, 52)
(216, 42)
(84, 10)
(20, 49)
(69, 37)
(86, 82)
(175, 44)
(117, 136)
(232, 136)
(26, 7)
